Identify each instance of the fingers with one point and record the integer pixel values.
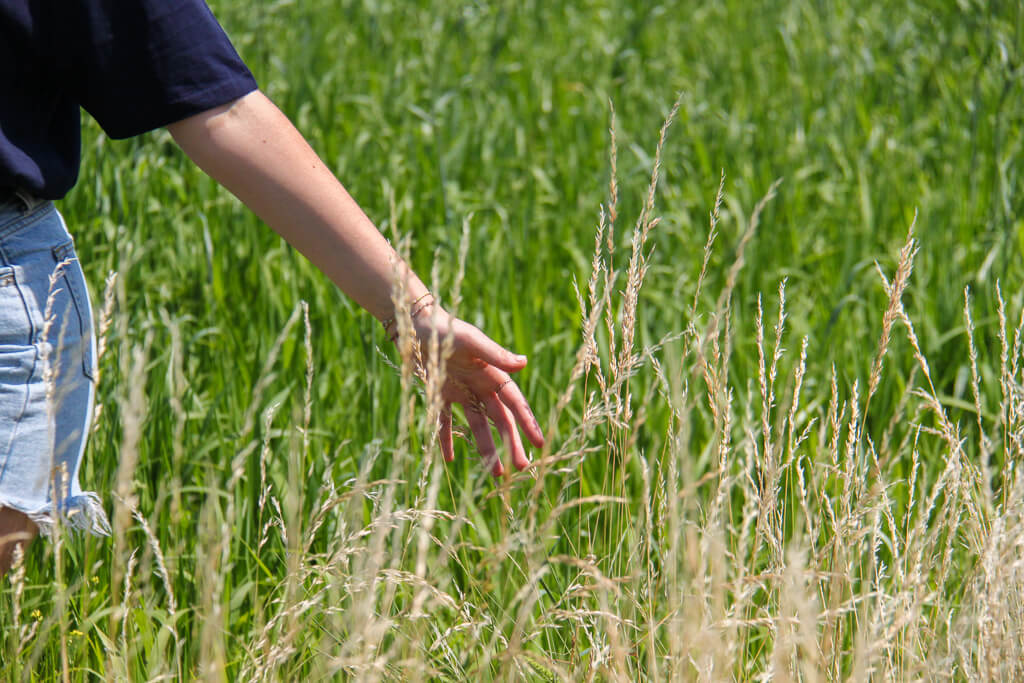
(481, 429)
(486, 349)
(512, 396)
(444, 434)
(478, 379)
(504, 412)
(502, 418)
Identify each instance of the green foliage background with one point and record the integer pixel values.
(497, 114)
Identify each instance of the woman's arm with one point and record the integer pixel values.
(252, 149)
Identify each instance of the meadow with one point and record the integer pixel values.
(765, 261)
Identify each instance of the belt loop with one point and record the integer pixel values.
(28, 200)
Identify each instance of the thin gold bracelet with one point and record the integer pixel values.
(415, 311)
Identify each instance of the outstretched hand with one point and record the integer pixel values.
(477, 376)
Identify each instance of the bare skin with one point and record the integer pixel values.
(15, 528)
(252, 149)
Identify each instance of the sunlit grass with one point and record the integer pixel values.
(749, 487)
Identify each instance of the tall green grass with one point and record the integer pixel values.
(774, 449)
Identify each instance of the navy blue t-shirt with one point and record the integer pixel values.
(134, 65)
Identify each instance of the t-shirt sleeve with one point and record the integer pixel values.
(142, 64)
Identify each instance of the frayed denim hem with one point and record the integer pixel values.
(81, 513)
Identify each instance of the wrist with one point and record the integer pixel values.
(415, 309)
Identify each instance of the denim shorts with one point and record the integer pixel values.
(47, 370)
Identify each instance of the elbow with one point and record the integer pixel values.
(207, 124)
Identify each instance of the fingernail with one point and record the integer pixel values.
(520, 358)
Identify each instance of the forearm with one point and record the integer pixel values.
(252, 149)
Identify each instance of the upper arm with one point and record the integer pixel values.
(144, 64)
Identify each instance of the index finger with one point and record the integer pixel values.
(444, 435)
(486, 349)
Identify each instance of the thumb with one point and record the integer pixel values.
(488, 350)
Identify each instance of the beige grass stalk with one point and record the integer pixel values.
(845, 518)
(133, 411)
(307, 389)
(178, 384)
(293, 604)
(770, 518)
(432, 369)
(998, 610)
(795, 654)
(126, 645)
(710, 371)
(596, 302)
(16, 637)
(172, 604)
(648, 585)
(752, 224)
(103, 330)
(265, 488)
(895, 291)
(438, 352)
(984, 442)
(713, 218)
(460, 268)
(793, 438)
(1006, 381)
(637, 270)
(212, 656)
(610, 273)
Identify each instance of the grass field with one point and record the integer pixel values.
(780, 444)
